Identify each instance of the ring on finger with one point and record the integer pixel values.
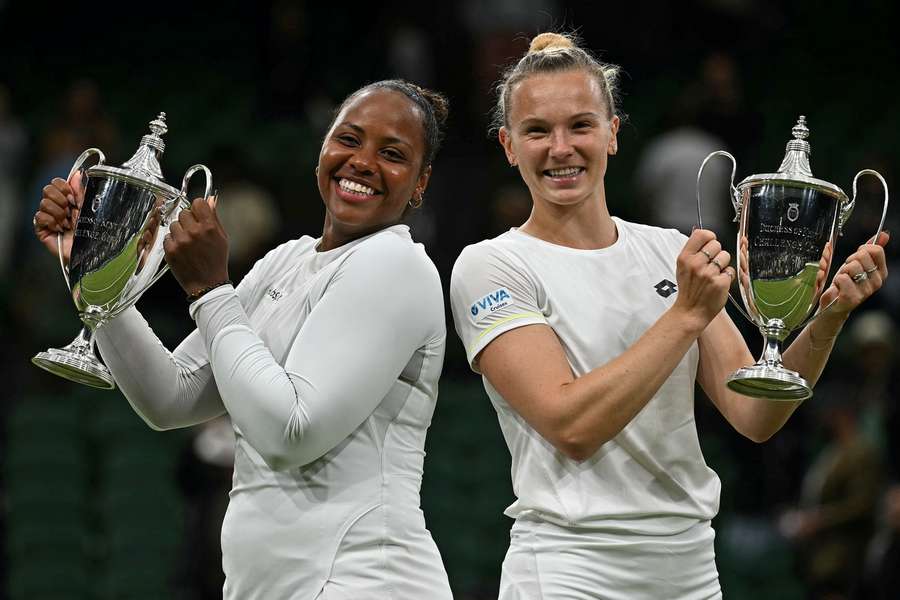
(709, 257)
(859, 277)
(872, 270)
(716, 262)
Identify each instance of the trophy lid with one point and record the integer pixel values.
(143, 168)
(795, 167)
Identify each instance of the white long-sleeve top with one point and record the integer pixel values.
(327, 363)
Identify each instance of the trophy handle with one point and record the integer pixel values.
(75, 167)
(735, 202)
(846, 209)
(735, 195)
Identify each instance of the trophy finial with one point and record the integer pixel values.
(796, 155)
(146, 159)
(158, 125)
(800, 130)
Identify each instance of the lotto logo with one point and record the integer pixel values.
(665, 288)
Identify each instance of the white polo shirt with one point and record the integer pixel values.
(651, 478)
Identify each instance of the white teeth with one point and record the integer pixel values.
(563, 172)
(352, 186)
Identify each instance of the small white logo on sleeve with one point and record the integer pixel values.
(489, 304)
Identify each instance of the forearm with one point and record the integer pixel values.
(598, 405)
(722, 352)
(294, 413)
(758, 418)
(258, 393)
(167, 390)
(809, 352)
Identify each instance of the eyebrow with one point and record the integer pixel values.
(386, 140)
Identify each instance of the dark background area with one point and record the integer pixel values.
(99, 505)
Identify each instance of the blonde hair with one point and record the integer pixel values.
(549, 53)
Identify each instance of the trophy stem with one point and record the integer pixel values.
(768, 378)
(77, 362)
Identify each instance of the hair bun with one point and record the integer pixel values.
(550, 41)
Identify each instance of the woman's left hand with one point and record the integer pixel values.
(197, 247)
(861, 275)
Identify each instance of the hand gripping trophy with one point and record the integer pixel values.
(117, 246)
(789, 222)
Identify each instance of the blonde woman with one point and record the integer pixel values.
(589, 332)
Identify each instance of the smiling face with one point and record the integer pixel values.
(370, 165)
(560, 135)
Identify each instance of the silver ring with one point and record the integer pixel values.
(715, 262)
(872, 270)
(709, 258)
(862, 276)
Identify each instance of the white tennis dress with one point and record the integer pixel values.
(639, 509)
(327, 363)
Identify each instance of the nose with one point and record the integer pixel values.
(560, 145)
(362, 161)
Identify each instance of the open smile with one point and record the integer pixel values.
(563, 174)
(355, 191)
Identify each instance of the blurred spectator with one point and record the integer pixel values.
(666, 176)
(248, 211)
(835, 519)
(871, 344)
(882, 572)
(718, 100)
(500, 29)
(710, 115)
(13, 143)
(82, 123)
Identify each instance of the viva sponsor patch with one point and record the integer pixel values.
(489, 304)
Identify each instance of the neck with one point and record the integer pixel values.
(583, 226)
(334, 236)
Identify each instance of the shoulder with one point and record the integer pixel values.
(277, 260)
(649, 235)
(497, 253)
(393, 253)
(285, 254)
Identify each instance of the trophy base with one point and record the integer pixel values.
(76, 367)
(771, 383)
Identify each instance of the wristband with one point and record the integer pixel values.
(191, 298)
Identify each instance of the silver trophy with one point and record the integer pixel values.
(789, 224)
(117, 247)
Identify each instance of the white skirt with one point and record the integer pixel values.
(550, 562)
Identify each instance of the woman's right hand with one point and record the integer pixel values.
(58, 213)
(704, 277)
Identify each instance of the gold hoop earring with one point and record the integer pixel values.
(418, 201)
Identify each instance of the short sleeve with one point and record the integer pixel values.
(490, 294)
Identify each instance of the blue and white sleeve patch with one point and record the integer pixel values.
(489, 304)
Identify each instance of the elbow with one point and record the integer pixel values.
(759, 437)
(283, 457)
(576, 452)
(277, 461)
(576, 447)
(156, 422)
